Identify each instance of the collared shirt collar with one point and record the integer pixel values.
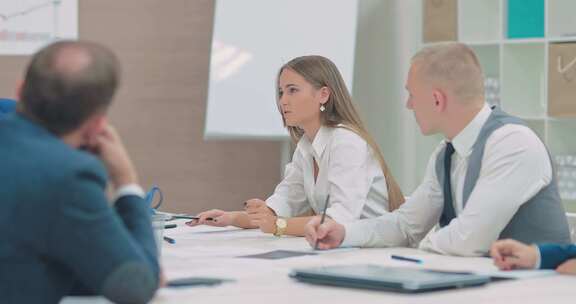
(318, 145)
(464, 141)
(320, 141)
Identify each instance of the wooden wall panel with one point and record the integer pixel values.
(164, 50)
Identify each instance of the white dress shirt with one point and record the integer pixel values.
(515, 167)
(348, 171)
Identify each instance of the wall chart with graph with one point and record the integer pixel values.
(27, 25)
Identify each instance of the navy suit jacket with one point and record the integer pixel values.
(59, 234)
(552, 255)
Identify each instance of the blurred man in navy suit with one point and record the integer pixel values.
(60, 234)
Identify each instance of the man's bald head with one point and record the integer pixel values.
(71, 58)
(454, 67)
(67, 82)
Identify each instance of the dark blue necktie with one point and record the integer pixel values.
(448, 212)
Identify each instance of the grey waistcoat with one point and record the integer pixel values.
(541, 219)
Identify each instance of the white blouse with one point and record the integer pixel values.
(348, 171)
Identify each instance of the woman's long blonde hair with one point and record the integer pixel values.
(321, 72)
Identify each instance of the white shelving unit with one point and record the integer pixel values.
(520, 69)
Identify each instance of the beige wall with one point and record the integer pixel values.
(164, 49)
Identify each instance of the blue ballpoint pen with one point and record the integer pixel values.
(170, 240)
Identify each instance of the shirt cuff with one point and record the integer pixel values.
(538, 258)
(280, 208)
(129, 189)
(354, 235)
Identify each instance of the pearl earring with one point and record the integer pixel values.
(322, 108)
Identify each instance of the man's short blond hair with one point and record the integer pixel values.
(455, 67)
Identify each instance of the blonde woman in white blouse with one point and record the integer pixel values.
(334, 156)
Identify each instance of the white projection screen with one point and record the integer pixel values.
(251, 40)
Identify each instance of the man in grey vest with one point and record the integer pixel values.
(491, 178)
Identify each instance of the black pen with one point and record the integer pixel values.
(170, 226)
(170, 240)
(401, 258)
(189, 217)
(322, 219)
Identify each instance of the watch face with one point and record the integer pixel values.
(281, 223)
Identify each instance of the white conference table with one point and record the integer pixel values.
(213, 252)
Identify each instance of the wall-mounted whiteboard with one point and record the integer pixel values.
(251, 40)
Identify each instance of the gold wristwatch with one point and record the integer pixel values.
(281, 225)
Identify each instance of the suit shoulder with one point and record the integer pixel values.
(60, 161)
(80, 162)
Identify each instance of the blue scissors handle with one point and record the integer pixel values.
(151, 195)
